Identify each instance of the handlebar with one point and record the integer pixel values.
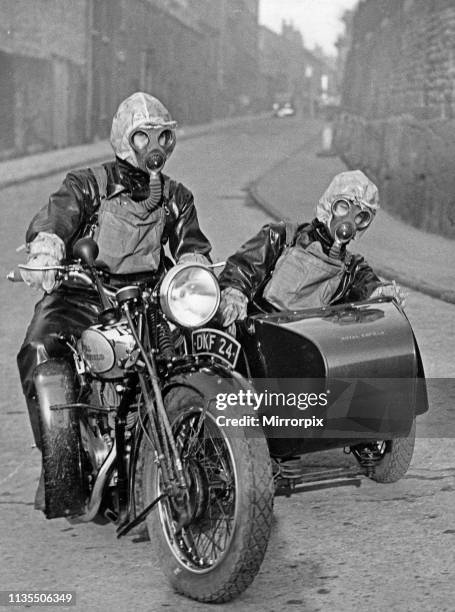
(73, 272)
(15, 276)
(66, 273)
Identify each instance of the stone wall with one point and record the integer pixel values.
(398, 115)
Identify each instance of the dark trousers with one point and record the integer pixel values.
(66, 312)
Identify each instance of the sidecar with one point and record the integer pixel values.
(347, 376)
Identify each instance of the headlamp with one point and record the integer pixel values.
(189, 295)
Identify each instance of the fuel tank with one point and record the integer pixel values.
(361, 359)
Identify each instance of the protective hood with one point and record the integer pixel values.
(353, 185)
(139, 110)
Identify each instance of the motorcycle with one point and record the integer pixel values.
(163, 419)
(129, 432)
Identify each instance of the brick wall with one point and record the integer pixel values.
(398, 119)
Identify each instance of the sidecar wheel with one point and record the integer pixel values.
(390, 458)
(218, 551)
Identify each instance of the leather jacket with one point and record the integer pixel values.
(250, 268)
(71, 209)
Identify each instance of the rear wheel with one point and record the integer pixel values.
(387, 460)
(213, 552)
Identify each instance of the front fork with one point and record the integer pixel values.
(159, 433)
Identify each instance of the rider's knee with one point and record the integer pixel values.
(31, 353)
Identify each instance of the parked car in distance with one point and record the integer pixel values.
(283, 110)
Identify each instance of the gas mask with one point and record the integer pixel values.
(347, 207)
(348, 219)
(143, 134)
(152, 146)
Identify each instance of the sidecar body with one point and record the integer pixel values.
(333, 377)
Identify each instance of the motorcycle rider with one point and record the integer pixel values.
(130, 208)
(290, 266)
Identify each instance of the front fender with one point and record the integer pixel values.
(210, 381)
(207, 382)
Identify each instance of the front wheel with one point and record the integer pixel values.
(387, 460)
(214, 553)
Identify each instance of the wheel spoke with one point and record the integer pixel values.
(202, 543)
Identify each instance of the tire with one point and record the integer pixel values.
(232, 490)
(392, 458)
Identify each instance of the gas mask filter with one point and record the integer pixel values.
(152, 147)
(348, 219)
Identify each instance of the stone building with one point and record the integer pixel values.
(289, 72)
(272, 60)
(153, 45)
(42, 74)
(343, 44)
(66, 64)
(399, 101)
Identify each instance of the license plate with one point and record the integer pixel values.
(215, 343)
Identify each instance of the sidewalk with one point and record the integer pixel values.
(16, 171)
(414, 258)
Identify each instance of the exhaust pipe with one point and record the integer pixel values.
(94, 502)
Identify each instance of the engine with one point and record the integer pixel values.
(106, 349)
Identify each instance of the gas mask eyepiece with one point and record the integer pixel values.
(139, 140)
(363, 219)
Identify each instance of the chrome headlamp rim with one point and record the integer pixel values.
(167, 285)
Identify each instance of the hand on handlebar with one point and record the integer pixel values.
(391, 290)
(46, 249)
(74, 274)
(41, 279)
(233, 307)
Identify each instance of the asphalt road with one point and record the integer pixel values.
(371, 548)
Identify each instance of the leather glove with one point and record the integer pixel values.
(391, 290)
(233, 306)
(45, 250)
